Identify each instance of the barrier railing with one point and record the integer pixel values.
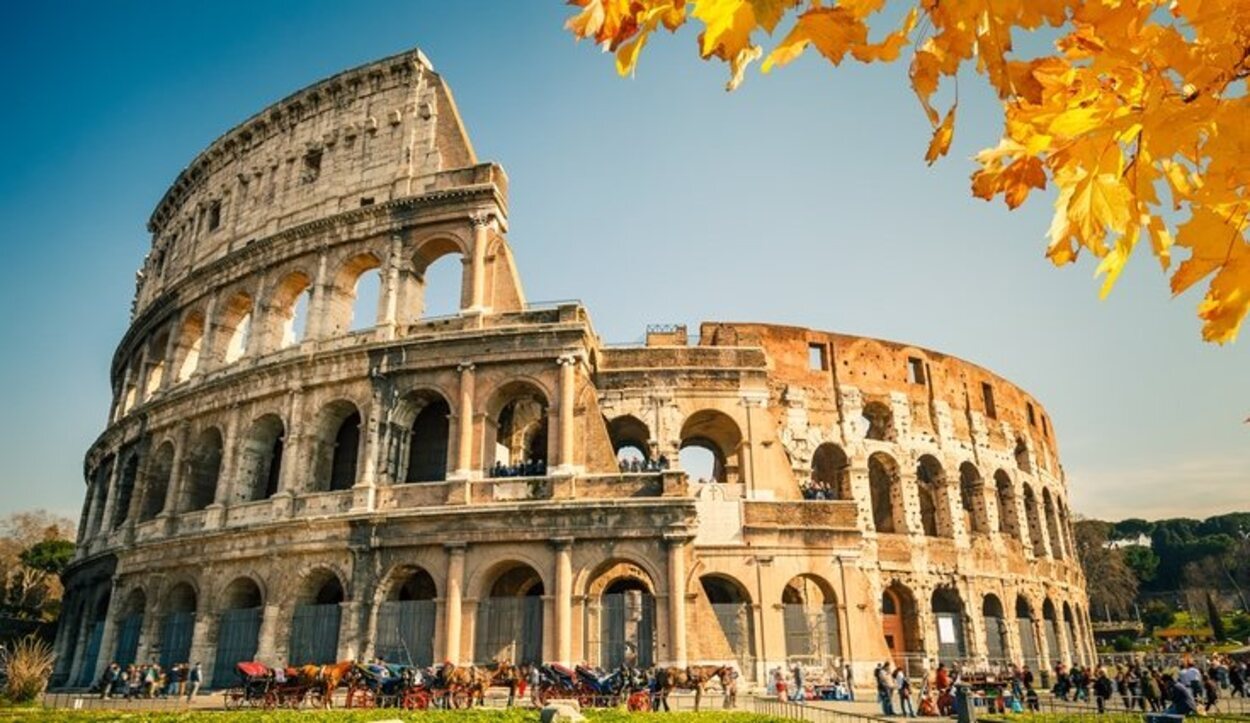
(1234, 709)
(798, 711)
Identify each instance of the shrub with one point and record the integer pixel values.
(29, 666)
(1122, 644)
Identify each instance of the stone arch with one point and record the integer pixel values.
(203, 471)
(343, 300)
(621, 617)
(886, 494)
(337, 446)
(732, 606)
(423, 432)
(831, 472)
(180, 606)
(125, 488)
(260, 459)
(1008, 512)
(994, 618)
(321, 586)
(719, 434)
(1021, 453)
(241, 592)
(931, 488)
(1029, 651)
(900, 624)
(234, 328)
(517, 429)
(972, 499)
(156, 483)
(158, 365)
(240, 605)
(951, 622)
(288, 311)
(190, 345)
(129, 626)
(597, 579)
(629, 432)
(1050, 629)
(809, 608)
(1035, 522)
(880, 420)
(406, 612)
(510, 614)
(317, 617)
(1069, 632)
(100, 491)
(431, 256)
(407, 582)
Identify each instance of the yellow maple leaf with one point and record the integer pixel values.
(833, 31)
(942, 136)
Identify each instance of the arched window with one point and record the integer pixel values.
(1022, 455)
(125, 490)
(831, 472)
(427, 442)
(883, 481)
(289, 308)
(156, 365)
(517, 441)
(190, 341)
(931, 488)
(1052, 525)
(156, 486)
(353, 299)
(204, 471)
(631, 439)
(260, 459)
(972, 499)
(440, 271)
(880, 422)
(717, 439)
(236, 327)
(1008, 514)
(366, 296)
(1035, 524)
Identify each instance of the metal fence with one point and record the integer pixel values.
(86, 675)
(798, 711)
(626, 623)
(83, 701)
(237, 637)
(811, 633)
(314, 634)
(509, 628)
(737, 623)
(405, 632)
(1237, 709)
(176, 633)
(128, 629)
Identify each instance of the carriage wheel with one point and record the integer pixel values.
(460, 699)
(231, 699)
(417, 700)
(270, 701)
(639, 701)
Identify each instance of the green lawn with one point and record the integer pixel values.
(34, 715)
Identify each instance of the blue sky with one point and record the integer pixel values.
(802, 198)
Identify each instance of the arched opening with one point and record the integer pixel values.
(900, 626)
(315, 625)
(972, 499)
(931, 489)
(260, 459)
(1008, 514)
(719, 439)
(949, 617)
(235, 327)
(631, 440)
(190, 341)
(1081, 630)
(178, 626)
(203, 471)
(125, 490)
(510, 618)
(831, 473)
(1035, 523)
(880, 421)
(995, 630)
(731, 603)
(883, 483)
(98, 613)
(623, 602)
(1052, 525)
(338, 446)
(156, 365)
(100, 490)
(426, 439)
(353, 299)
(160, 472)
(238, 628)
(810, 616)
(366, 296)
(439, 269)
(1069, 632)
(1022, 456)
(129, 626)
(405, 629)
(1050, 628)
(1025, 629)
(289, 307)
(517, 441)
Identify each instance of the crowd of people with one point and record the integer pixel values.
(524, 468)
(637, 464)
(1182, 690)
(150, 680)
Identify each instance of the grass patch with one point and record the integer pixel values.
(360, 716)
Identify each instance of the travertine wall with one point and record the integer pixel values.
(469, 461)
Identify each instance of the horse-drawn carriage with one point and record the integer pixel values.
(259, 687)
(389, 686)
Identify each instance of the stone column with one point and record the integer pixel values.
(208, 341)
(176, 475)
(905, 498)
(567, 389)
(677, 597)
(267, 643)
(110, 499)
(564, 599)
(453, 644)
(746, 456)
(482, 224)
(364, 494)
(314, 327)
(464, 423)
(108, 641)
(390, 295)
(171, 351)
(215, 513)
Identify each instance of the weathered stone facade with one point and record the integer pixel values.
(284, 494)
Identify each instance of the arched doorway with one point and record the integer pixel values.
(710, 443)
(948, 616)
(626, 624)
(1050, 628)
(1028, 640)
(995, 630)
(178, 626)
(510, 618)
(260, 459)
(631, 440)
(831, 472)
(129, 625)
(883, 485)
(517, 440)
(204, 470)
(427, 437)
(238, 629)
(810, 617)
(898, 625)
(315, 625)
(95, 638)
(337, 447)
(405, 629)
(731, 604)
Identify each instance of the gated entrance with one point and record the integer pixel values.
(948, 615)
(1050, 628)
(732, 606)
(176, 633)
(238, 633)
(315, 634)
(510, 619)
(128, 639)
(995, 629)
(95, 635)
(405, 632)
(810, 619)
(626, 628)
(1028, 639)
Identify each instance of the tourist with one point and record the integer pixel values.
(1191, 678)
(885, 689)
(279, 674)
(1212, 692)
(1152, 691)
(151, 678)
(799, 693)
(731, 690)
(1180, 697)
(194, 678)
(1031, 701)
(903, 684)
(108, 680)
(134, 682)
(850, 686)
(1102, 690)
(779, 683)
(1237, 679)
(534, 679)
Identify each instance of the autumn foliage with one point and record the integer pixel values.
(1138, 101)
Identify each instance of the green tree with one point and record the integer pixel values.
(50, 556)
(1132, 529)
(1142, 561)
(1213, 617)
(1110, 582)
(1157, 615)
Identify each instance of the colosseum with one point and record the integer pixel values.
(301, 465)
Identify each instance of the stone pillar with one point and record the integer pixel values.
(482, 224)
(176, 475)
(171, 351)
(564, 599)
(110, 499)
(905, 498)
(208, 341)
(390, 294)
(746, 452)
(454, 602)
(464, 423)
(677, 597)
(141, 377)
(267, 643)
(108, 642)
(201, 651)
(364, 492)
(568, 385)
(215, 513)
(314, 327)
(350, 646)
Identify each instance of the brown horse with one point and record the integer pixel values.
(464, 683)
(323, 678)
(694, 677)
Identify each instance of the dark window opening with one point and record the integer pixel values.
(816, 359)
(987, 396)
(312, 166)
(915, 370)
(1028, 406)
(1045, 428)
(214, 215)
(366, 201)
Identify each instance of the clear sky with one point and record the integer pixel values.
(802, 198)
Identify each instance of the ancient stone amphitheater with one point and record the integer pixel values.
(295, 470)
